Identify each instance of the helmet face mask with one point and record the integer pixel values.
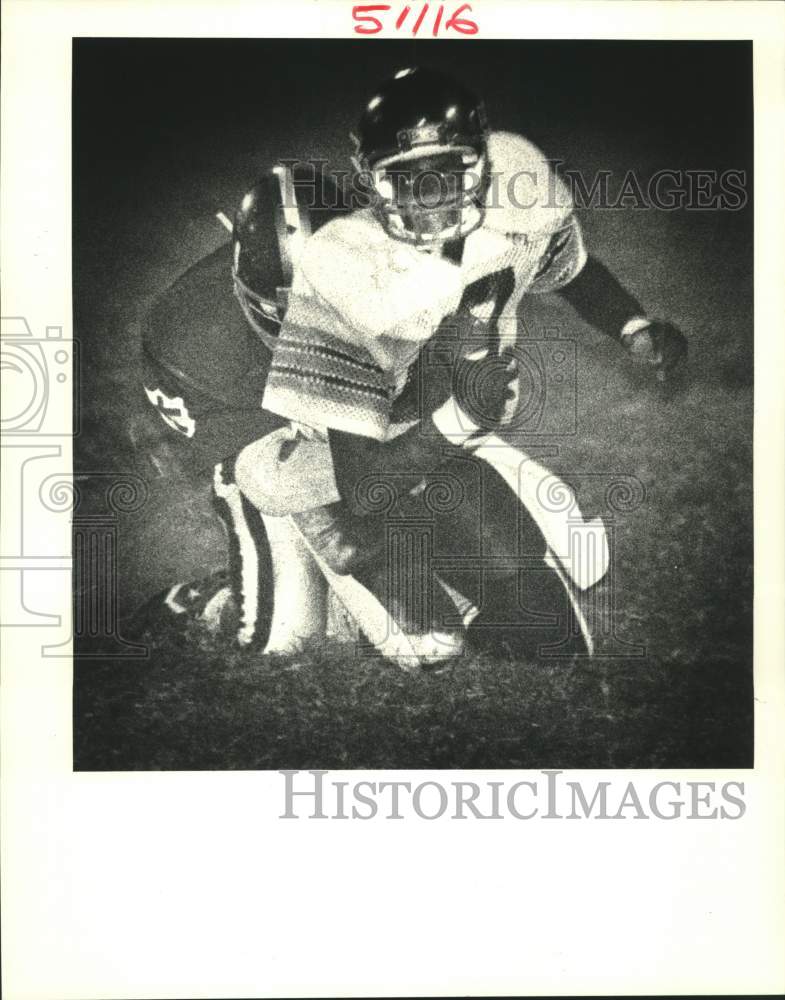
(432, 197)
(264, 314)
(422, 141)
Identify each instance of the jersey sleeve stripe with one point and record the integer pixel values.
(313, 381)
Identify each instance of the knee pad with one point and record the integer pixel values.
(285, 472)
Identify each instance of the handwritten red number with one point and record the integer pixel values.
(402, 16)
(462, 24)
(420, 19)
(368, 24)
(363, 15)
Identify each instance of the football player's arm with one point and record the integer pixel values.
(477, 396)
(418, 450)
(565, 267)
(601, 300)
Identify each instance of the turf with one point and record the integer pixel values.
(198, 706)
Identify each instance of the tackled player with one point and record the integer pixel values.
(320, 378)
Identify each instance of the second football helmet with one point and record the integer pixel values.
(274, 218)
(421, 141)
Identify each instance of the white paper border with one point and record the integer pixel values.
(188, 884)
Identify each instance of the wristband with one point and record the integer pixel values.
(634, 325)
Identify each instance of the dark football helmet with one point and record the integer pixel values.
(274, 218)
(421, 141)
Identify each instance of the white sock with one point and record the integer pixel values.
(300, 589)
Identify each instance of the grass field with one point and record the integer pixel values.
(683, 557)
(198, 706)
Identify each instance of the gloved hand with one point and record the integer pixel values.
(659, 345)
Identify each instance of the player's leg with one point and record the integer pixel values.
(399, 604)
(529, 565)
(291, 474)
(299, 605)
(299, 589)
(234, 601)
(272, 595)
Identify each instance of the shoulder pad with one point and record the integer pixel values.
(526, 195)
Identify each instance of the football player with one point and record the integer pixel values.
(463, 221)
(206, 351)
(207, 345)
(442, 240)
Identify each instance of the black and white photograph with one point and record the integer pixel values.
(393, 467)
(417, 383)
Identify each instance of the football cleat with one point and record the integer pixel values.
(206, 604)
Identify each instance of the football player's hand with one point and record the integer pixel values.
(486, 387)
(660, 346)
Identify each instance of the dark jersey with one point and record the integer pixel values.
(204, 368)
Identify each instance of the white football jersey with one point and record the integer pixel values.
(362, 304)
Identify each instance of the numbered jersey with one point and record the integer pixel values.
(204, 369)
(207, 339)
(363, 304)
